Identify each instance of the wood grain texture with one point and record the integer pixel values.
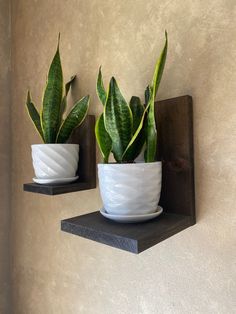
(175, 148)
(85, 137)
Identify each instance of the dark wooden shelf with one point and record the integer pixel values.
(85, 137)
(58, 189)
(134, 238)
(175, 149)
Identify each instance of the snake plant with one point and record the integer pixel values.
(124, 128)
(50, 124)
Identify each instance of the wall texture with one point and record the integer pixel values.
(5, 61)
(192, 272)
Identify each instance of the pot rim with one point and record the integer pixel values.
(54, 144)
(137, 164)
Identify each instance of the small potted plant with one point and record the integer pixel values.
(130, 190)
(55, 161)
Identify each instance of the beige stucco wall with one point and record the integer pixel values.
(192, 272)
(5, 61)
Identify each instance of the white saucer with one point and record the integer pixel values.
(132, 218)
(55, 181)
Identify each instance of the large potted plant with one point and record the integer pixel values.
(130, 190)
(55, 161)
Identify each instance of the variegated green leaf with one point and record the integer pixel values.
(50, 119)
(68, 84)
(101, 92)
(159, 68)
(137, 111)
(135, 149)
(151, 140)
(151, 132)
(140, 127)
(63, 108)
(34, 115)
(118, 120)
(73, 120)
(147, 95)
(64, 99)
(103, 139)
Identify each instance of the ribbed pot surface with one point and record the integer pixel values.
(128, 189)
(53, 161)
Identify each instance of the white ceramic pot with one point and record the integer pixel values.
(130, 189)
(53, 161)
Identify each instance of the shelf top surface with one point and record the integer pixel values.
(134, 237)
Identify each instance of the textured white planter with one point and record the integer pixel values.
(53, 161)
(130, 189)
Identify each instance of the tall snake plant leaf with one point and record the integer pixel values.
(147, 95)
(151, 140)
(68, 84)
(118, 120)
(137, 111)
(73, 120)
(64, 99)
(34, 115)
(159, 68)
(50, 116)
(103, 139)
(101, 92)
(140, 127)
